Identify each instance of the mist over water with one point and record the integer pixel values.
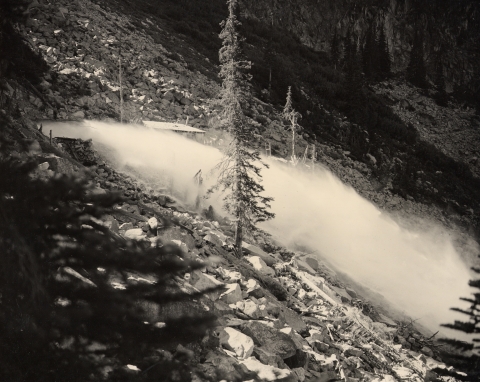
(417, 272)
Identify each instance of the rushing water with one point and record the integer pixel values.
(419, 272)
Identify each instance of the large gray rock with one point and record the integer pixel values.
(300, 358)
(232, 295)
(327, 376)
(214, 239)
(135, 234)
(78, 115)
(270, 339)
(232, 339)
(202, 282)
(176, 233)
(253, 250)
(219, 367)
(292, 319)
(250, 308)
(267, 372)
(266, 357)
(260, 265)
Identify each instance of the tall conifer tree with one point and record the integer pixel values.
(291, 116)
(470, 363)
(240, 168)
(70, 309)
(472, 325)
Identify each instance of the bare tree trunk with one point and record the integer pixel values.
(120, 80)
(293, 139)
(270, 83)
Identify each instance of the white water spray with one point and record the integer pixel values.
(418, 272)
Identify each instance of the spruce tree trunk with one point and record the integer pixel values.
(240, 212)
(293, 140)
(270, 83)
(239, 238)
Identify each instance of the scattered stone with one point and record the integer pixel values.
(214, 239)
(237, 342)
(135, 234)
(260, 265)
(78, 115)
(268, 373)
(202, 282)
(253, 250)
(232, 295)
(270, 339)
(153, 223)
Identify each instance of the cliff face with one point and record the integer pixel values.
(450, 28)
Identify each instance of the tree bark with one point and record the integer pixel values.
(239, 238)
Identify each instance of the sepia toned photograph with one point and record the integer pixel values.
(240, 190)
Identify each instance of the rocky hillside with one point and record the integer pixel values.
(166, 77)
(283, 315)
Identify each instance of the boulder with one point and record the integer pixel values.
(202, 282)
(327, 376)
(292, 319)
(126, 226)
(168, 96)
(267, 372)
(260, 265)
(301, 294)
(300, 358)
(61, 165)
(232, 295)
(179, 244)
(227, 274)
(221, 309)
(300, 373)
(219, 367)
(153, 223)
(249, 307)
(251, 285)
(266, 357)
(111, 223)
(233, 340)
(253, 250)
(78, 115)
(186, 101)
(270, 339)
(214, 239)
(176, 233)
(135, 234)
(34, 148)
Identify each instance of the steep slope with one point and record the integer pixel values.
(167, 76)
(284, 315)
